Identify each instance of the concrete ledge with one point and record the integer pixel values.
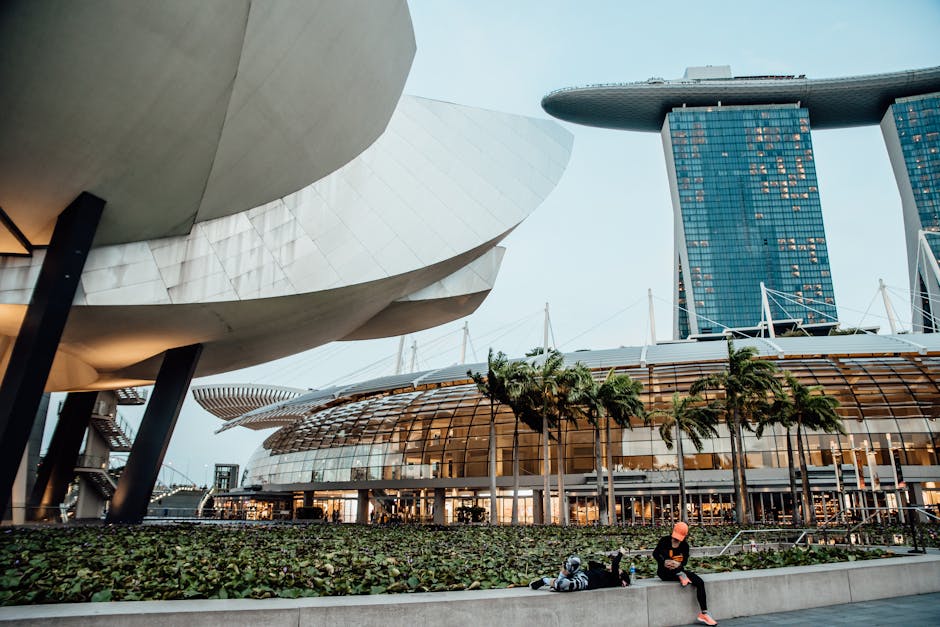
(649, 603)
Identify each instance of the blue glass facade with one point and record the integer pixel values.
(748, 211)
(917, 121)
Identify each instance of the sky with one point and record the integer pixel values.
(603, 237)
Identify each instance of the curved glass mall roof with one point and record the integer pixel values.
(833, 102)
(648, 357)
(433, 425)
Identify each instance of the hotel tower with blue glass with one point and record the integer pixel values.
(742, 176)
(747, 212)
(911, 129)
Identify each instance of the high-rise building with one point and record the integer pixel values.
(743, 181)
(747, 212)
(911, 129)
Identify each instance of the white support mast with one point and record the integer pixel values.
(401, 350)
(463, 345)
(414, 355)
(766, 305)
(545, 330)
(889, 309)
(649, 293)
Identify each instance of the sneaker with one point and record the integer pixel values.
(706, 619)
(684, 580)
(537, 583)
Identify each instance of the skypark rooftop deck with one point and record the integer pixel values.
(832, 102)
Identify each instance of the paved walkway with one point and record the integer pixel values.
(921, 609)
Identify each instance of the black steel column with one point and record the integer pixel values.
(38, 338)
(135, 486)
(58, 467)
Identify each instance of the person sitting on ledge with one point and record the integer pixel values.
(573, 578)
(672, 557)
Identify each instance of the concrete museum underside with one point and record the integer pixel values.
(207, 186)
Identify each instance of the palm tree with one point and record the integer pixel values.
(689, 416)
(746, 383)
(780, 415)
(811, 408)
(575, 385)
(615, 399)
(620, 399)
(493, 387)
(517, 378)
(539, 404)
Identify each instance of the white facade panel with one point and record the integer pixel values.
(420, 204)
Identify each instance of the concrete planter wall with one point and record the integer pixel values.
(649, 603)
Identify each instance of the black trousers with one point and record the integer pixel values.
(600, 577)
(695, 580)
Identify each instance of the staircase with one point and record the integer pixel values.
(115, 430)
(96, 471)
(107, 433)
(110, 425)
(181, 502)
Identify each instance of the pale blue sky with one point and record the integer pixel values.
(605, 234)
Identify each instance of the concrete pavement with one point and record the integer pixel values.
(920, 609)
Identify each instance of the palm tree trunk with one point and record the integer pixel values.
(515, 473)
(546, 474)
(808, 509)
(601, 501)
(562, 493)
(681, 464)
(611, 506)
(494, 518)
(797, 517)
(741, 496)
(734, 469)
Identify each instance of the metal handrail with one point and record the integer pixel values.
(745, 531)
(879, 510)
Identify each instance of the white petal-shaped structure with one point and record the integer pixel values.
(399, 239)
(179, 112)
(228, 401)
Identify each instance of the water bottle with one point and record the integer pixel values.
(632, 574)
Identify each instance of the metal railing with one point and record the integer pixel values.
(744, 532)
(851, 533)
(92, 461)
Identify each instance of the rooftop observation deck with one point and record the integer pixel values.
(832, 102)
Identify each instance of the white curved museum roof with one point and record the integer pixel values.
(180, 112)
(401, 238)
(832, 102)
(840, 346)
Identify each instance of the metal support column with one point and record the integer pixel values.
(130, 501)
(362, 507)
(38, 337)
(440, 510)
(58, 467)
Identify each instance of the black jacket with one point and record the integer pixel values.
(664, 551)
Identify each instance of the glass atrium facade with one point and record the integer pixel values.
(443, 432)
(747, 211)
(403, 444)
(916, 121)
